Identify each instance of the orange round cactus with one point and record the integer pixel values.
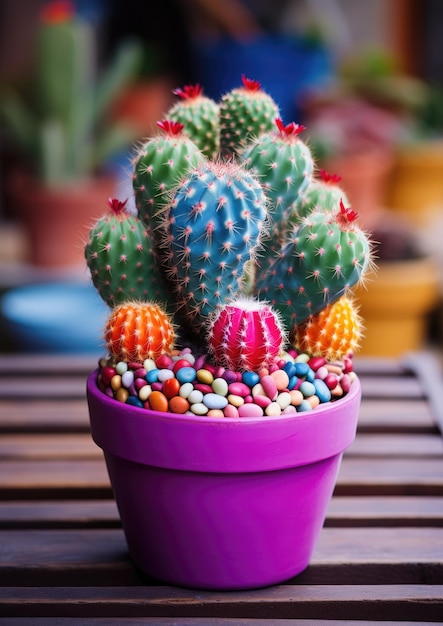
(136, 331)
(333, 333)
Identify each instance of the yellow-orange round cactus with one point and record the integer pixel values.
(333, 333)
(136, 331)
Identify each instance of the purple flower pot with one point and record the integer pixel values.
(222, 503)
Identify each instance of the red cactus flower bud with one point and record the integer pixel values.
(173, 128)
(330, 178)
(249, 84)
(290, 129)
(116, 206)
(188, 92)
(57, 12)
(346, 216)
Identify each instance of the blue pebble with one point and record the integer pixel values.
(214, 401)
(304, 406)
(250, 378)
(152, 376)
(290, 369)
(293, 381)
(301, 369)
(322, 390)
(134, 401)
(185, 375)
(310, 376)
(307, 389)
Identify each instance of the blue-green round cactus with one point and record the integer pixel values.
(327, 256)
(213, 229)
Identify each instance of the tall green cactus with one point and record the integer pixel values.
(159, 166)
(65, 127)
(245, 113)
(199, 116)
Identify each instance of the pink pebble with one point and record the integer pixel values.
(250, 410)
(179, 364)
(345, 382)
(203, 387)
(139, 383)
(281, 379)
(157, 386)
(331, 381)
(269, 386)
(200, 362)
(239, 389)
(134, 365)
(163, 362)
(140, 373)
(107, 373)
(348, 365)
(322, 372)
(219, 372)
(249, 399)
(210, 368)
(230, 411)
(262, 401)
(316, 362)
(273, 368)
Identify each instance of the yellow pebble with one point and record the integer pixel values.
(205, 376)
(116, 382)
(235, 400)
(121, 394)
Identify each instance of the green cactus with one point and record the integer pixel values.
(63, 125)
(327, 256)
(159, 166)
(285, 166)
(199, 116)
(120, 259)
(245, 113)
(214, 226)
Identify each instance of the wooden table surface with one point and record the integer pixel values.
(63, 557)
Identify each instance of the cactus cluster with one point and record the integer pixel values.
(245, 248)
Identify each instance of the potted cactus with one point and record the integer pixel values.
(227, 395)
(64, 134)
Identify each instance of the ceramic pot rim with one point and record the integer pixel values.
(197, 443)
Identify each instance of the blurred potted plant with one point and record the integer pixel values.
(356, 126)
(397, 303)
(65, 134)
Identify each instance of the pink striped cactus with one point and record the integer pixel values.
(246, 334)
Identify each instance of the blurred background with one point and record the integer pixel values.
(366, 78)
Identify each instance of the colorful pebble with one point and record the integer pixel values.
(181, 383)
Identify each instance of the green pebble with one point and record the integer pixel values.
(307, 389)
(121, 367)
(220, 386)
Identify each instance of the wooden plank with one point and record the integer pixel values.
(40, 415)
(398, 445)
(395, 415)
(340, 602)
(59, 514)
(99, 557)
(343, 511)
(395, 511)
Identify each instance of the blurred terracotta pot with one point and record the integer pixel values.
(365, 177)
(395, 305)
(56, 220)
(416, 183)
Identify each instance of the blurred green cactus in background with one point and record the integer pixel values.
(63, 126)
